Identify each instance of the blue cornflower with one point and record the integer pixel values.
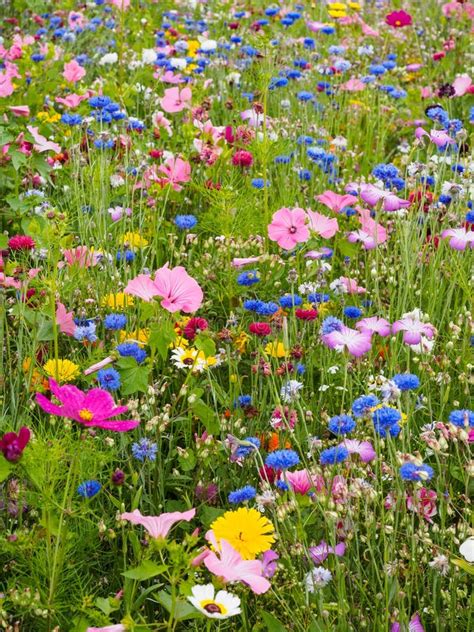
(259, 183)
(330, 324)
(331, 456)
(88, 489)
(282, 459)
(304, 174)
(267, 309)
(253, 304)
(144, 450)
(185, 222)
(384, 418)
(126, 255)
(85, 330)
(352, 312)
(100, 143)
(133, 350)
(317, 297)
(462, 418)
(290, 300)
(412, 472)
(71, 119)
(362, 405)
(248, 278)
(470, 217)
(109, 379)
(115, 321)
(99, 101)
(341, 424)
(406, 381)
(244, 450)
(282, 160)
(242, 495)
(243, 401)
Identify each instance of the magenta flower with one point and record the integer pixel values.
(423, 502)
(176, 171)
(439, 137)
(288, 227)
(390, 202)
(374, 325)
(334, 201)
(300, 481)
(460, 238)
(413, 330)
(92, 409)
(179, 291)
(322, 225)
(363, 448)
(158, 526)
(13, 444)
(269, 563)
(355, 342)
(415, 625)
(176, 100)
(321, 552)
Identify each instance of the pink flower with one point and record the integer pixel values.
(355, 342)
(334, 201)
(374, 325)
(65, 320)
(363, 448)
(158, 526)
(19, 110)
(176, 171)
(42, 143)
(460, 238)
(288, 227)
(398, 19)
(269, 563)
(371, 234)
(300, 481)
(118, 627)
(176, 100)
(413, 330)
(243, 261)
(322, 225)
(462, 85)
(228, 564)
(372, 195)
(80, 256)
(178, 290)
(415, 625)
(13, 444)
(122, 5)
(73, 72)
(439, 137)
(321, 552)
(350, 285)
(353, 85)
(72, 100)
(423, 502)
(92, 409)
(160, 120)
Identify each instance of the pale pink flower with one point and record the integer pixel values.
(390, 202)
(314, 26)
(73, 71)
(357, 343)
(371, 233)
(413, 330)
(439, 137)
(19, 110)
(324, 226)
(158, 526)
(179, 291)
(350, 285)
(117, 212)
(374, 325)
(460, 238)
(336, 202)
(41, 143)
(169, 77)
(321, 552)
(122, 5)
(80, 256)
(176, 100)
(65, 320)
(363, 448)
(288, 227)
(238, 262)
(72, 100)
(176, 171)
(462, 85)
(353, 85)
(117, 627)
(160, 120)
(423, 502)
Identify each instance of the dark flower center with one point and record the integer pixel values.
(212, 608)
(293, 230)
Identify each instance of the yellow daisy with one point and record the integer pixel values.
(61, 370)
(119, 299)
(246, 530)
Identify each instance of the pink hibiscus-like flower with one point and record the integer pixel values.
(238, 262)
(92, 409)
(19, 110)
(80, 256)
(390, 202)
(178, 290)
(122, 5)
(72, 100)
(336, 202)
(460, 238)
(357, 343)
(65, 320)
(301, 481)
(374, 325)
(363, 448)
(324, 226)
(158, 526)
(176, 171)
(41, 143)
(322, 551)
(350, 285)
(423, 502)
(288, 227)
(371, 233)
(462, 85)
(413, 329)
(73, 71)
(176, 100)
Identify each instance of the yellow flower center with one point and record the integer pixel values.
(85, 414)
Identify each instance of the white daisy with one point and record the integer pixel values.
(220, 606)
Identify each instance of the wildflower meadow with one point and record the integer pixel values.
(236, 322)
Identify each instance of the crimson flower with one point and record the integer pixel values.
(12, 444)
(21, 242)
(397, 19)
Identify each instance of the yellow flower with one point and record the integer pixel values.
(240, 341)
(276, 349)
(336, 6)
(139, 335)
(337, 14)
(354, 5)
(119, 299)
(179, 341)
(246, 530)
(61, 370)
(193, 45)
(135, 240)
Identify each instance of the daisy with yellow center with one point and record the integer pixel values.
(220, 606)
(246, 530)
(119, 299)
(61, 370)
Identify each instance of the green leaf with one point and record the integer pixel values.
(466, 566)
(272, 623)
(207, 416)
(182, 609)
(5, 468)
(18, 159)
(205, 344)
(3, 241)
(187, 462)
(106, 605)
(161, 336)
(134, 376)
(146, 570)
(45, 331)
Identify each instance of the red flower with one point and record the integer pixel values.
(21, 242)
(306, 314)
(12, 444)
(242, 158)
(194, 326)
(397, 19)
(260, 329)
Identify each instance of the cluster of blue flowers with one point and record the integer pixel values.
(282, 459)
(115, 321)
(85, 329)
(412, 472)
(242, 495)
(333, 455)
(244, 450)
(248, 278)
(341, 424)
(88, 489)
(132, 350)
(385, 420)
(261, 307)
(406, 381)
(462, 418)
(362, 405)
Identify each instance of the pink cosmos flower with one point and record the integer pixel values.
(413, 330)
(398, 19)
(65, 320)
(357, 343)
(228, 564)
(42, 143)
(350, 285)
(176, 100)
(336, 202)
(324, 226)
(439, 137)
(178, 290)
(372, 195)
(176, 171)
(73, 71)
(415, 625)
(460, 238)
(13, 444)
(300, 481)
(322, 551)
(158, 526)
(288, 227)
(92, 409)
(363, 448)
(423, 502)
(374, 325)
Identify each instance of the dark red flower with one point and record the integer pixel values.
(194, 326)
(12, 444)
(242, 158)
(306, 314)
(397, 19)
(21, 242)
(260, 329)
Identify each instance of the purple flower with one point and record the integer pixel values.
(269, 563)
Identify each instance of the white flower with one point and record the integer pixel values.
(440, 563)
(177, 63)
(220, 606)
(109, 58)
(208, 45)
(317, 578)
(148, 56)
(289, 391)
(467, 549)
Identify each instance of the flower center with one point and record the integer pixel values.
(398, 23)
(85, 414)
(213, 608)
(293, 230)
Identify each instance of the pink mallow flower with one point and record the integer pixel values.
(363, 448)
(176, 171)
(73, 71)
(414, 625)
(413, 330)
(178, 290)
(158, 526)
(65, 320)
(371, 233)
(176, 100)
(336, 202)
(321, 552)
(357, 343)
(116, 627)
(92, 409)
(288, 227)
(324, 226)
(390, 202)
(374, 325)
(460, 238)
(437, 136)
(301, 481)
